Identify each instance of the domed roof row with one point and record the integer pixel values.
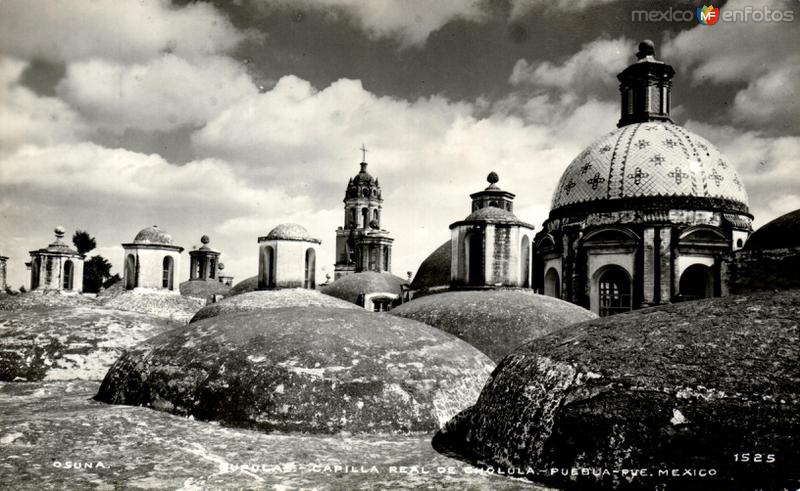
(651, 159)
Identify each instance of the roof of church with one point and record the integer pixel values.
(153, 235)
(781, 233)
(291, 231)
(492, 214)
(351, 286)
(647, 160)
(435, 269)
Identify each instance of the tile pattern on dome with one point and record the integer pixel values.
(648, 159)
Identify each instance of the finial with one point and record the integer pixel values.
(220, 266)
(59, 231)
(363, 153)
(492, 178)
(646, 48)
(204, 239)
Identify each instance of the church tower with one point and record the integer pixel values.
(362, 245)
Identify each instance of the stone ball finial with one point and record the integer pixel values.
(204, 239)
(220, 266)
(493, 178)
(646, 48)
(59, 231)
(373, 224)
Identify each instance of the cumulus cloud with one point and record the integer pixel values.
(762, 53)
(410, 22)
(595, 65)
(123, 31)
(28, 118)
(162, 94)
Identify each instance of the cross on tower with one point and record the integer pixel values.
(363, 153)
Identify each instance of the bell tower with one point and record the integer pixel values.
(361, 244)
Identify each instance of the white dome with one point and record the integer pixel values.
(647, 160)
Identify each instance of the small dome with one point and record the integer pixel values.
(153, 235)
(492, 214)
(435, 269)
(648, 160)
(351, 286)
(781, 233)
(290, 231)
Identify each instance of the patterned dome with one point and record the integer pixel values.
(153, 235)
(648, 160)
(290, 231)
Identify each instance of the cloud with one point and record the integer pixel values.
(124, 31)
(410, 22)
(596, 64)
(162, 94)
(759, 57)
(520, 8)
(28, 118)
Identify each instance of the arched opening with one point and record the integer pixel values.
(696, 282)
(35, 265)
(212, 270)
(365, 193)
(167, 271)
(130, 272)
(48, 271)
(614, 290)
(739, 243)
(267, 268)
(381, 304)
(473, 250)
(552, 283)
(493, 203)
(311, 268)
(376, 216)
(69, 273)
(525, 262)
(364, 217)
(386, 259)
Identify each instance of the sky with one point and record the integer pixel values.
(228, 118)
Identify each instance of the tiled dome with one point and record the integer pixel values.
(290, 231)
(646, 160)
(153, 235)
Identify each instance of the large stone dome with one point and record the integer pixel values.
(682, 386)
(304, 369)
(495, 321)
(290, 231)
(435, 269)
(781, 233)
(650, 160)
(261, 300)
(153, 235)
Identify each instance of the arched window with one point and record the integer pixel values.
(311, 269)
(473, 250)
(739, 243)
(167, 273)
(130, 272)
(267, 268)
(35, 265)
(69, 273)
(212, 270)
(525, 262)
(365, 193)
(353, 217)
(386, 266)
(614, 290)
(365, 217)
(552, 283)
(696, 282)
(376, 215)
(493, 203)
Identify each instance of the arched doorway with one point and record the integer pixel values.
(697, 282)
(552, 283)
(130, 272)
(69, 273)
(167, 273)
(473, 250)
(311, 267)
(525, 262)
(614, 291)
(267, 268)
